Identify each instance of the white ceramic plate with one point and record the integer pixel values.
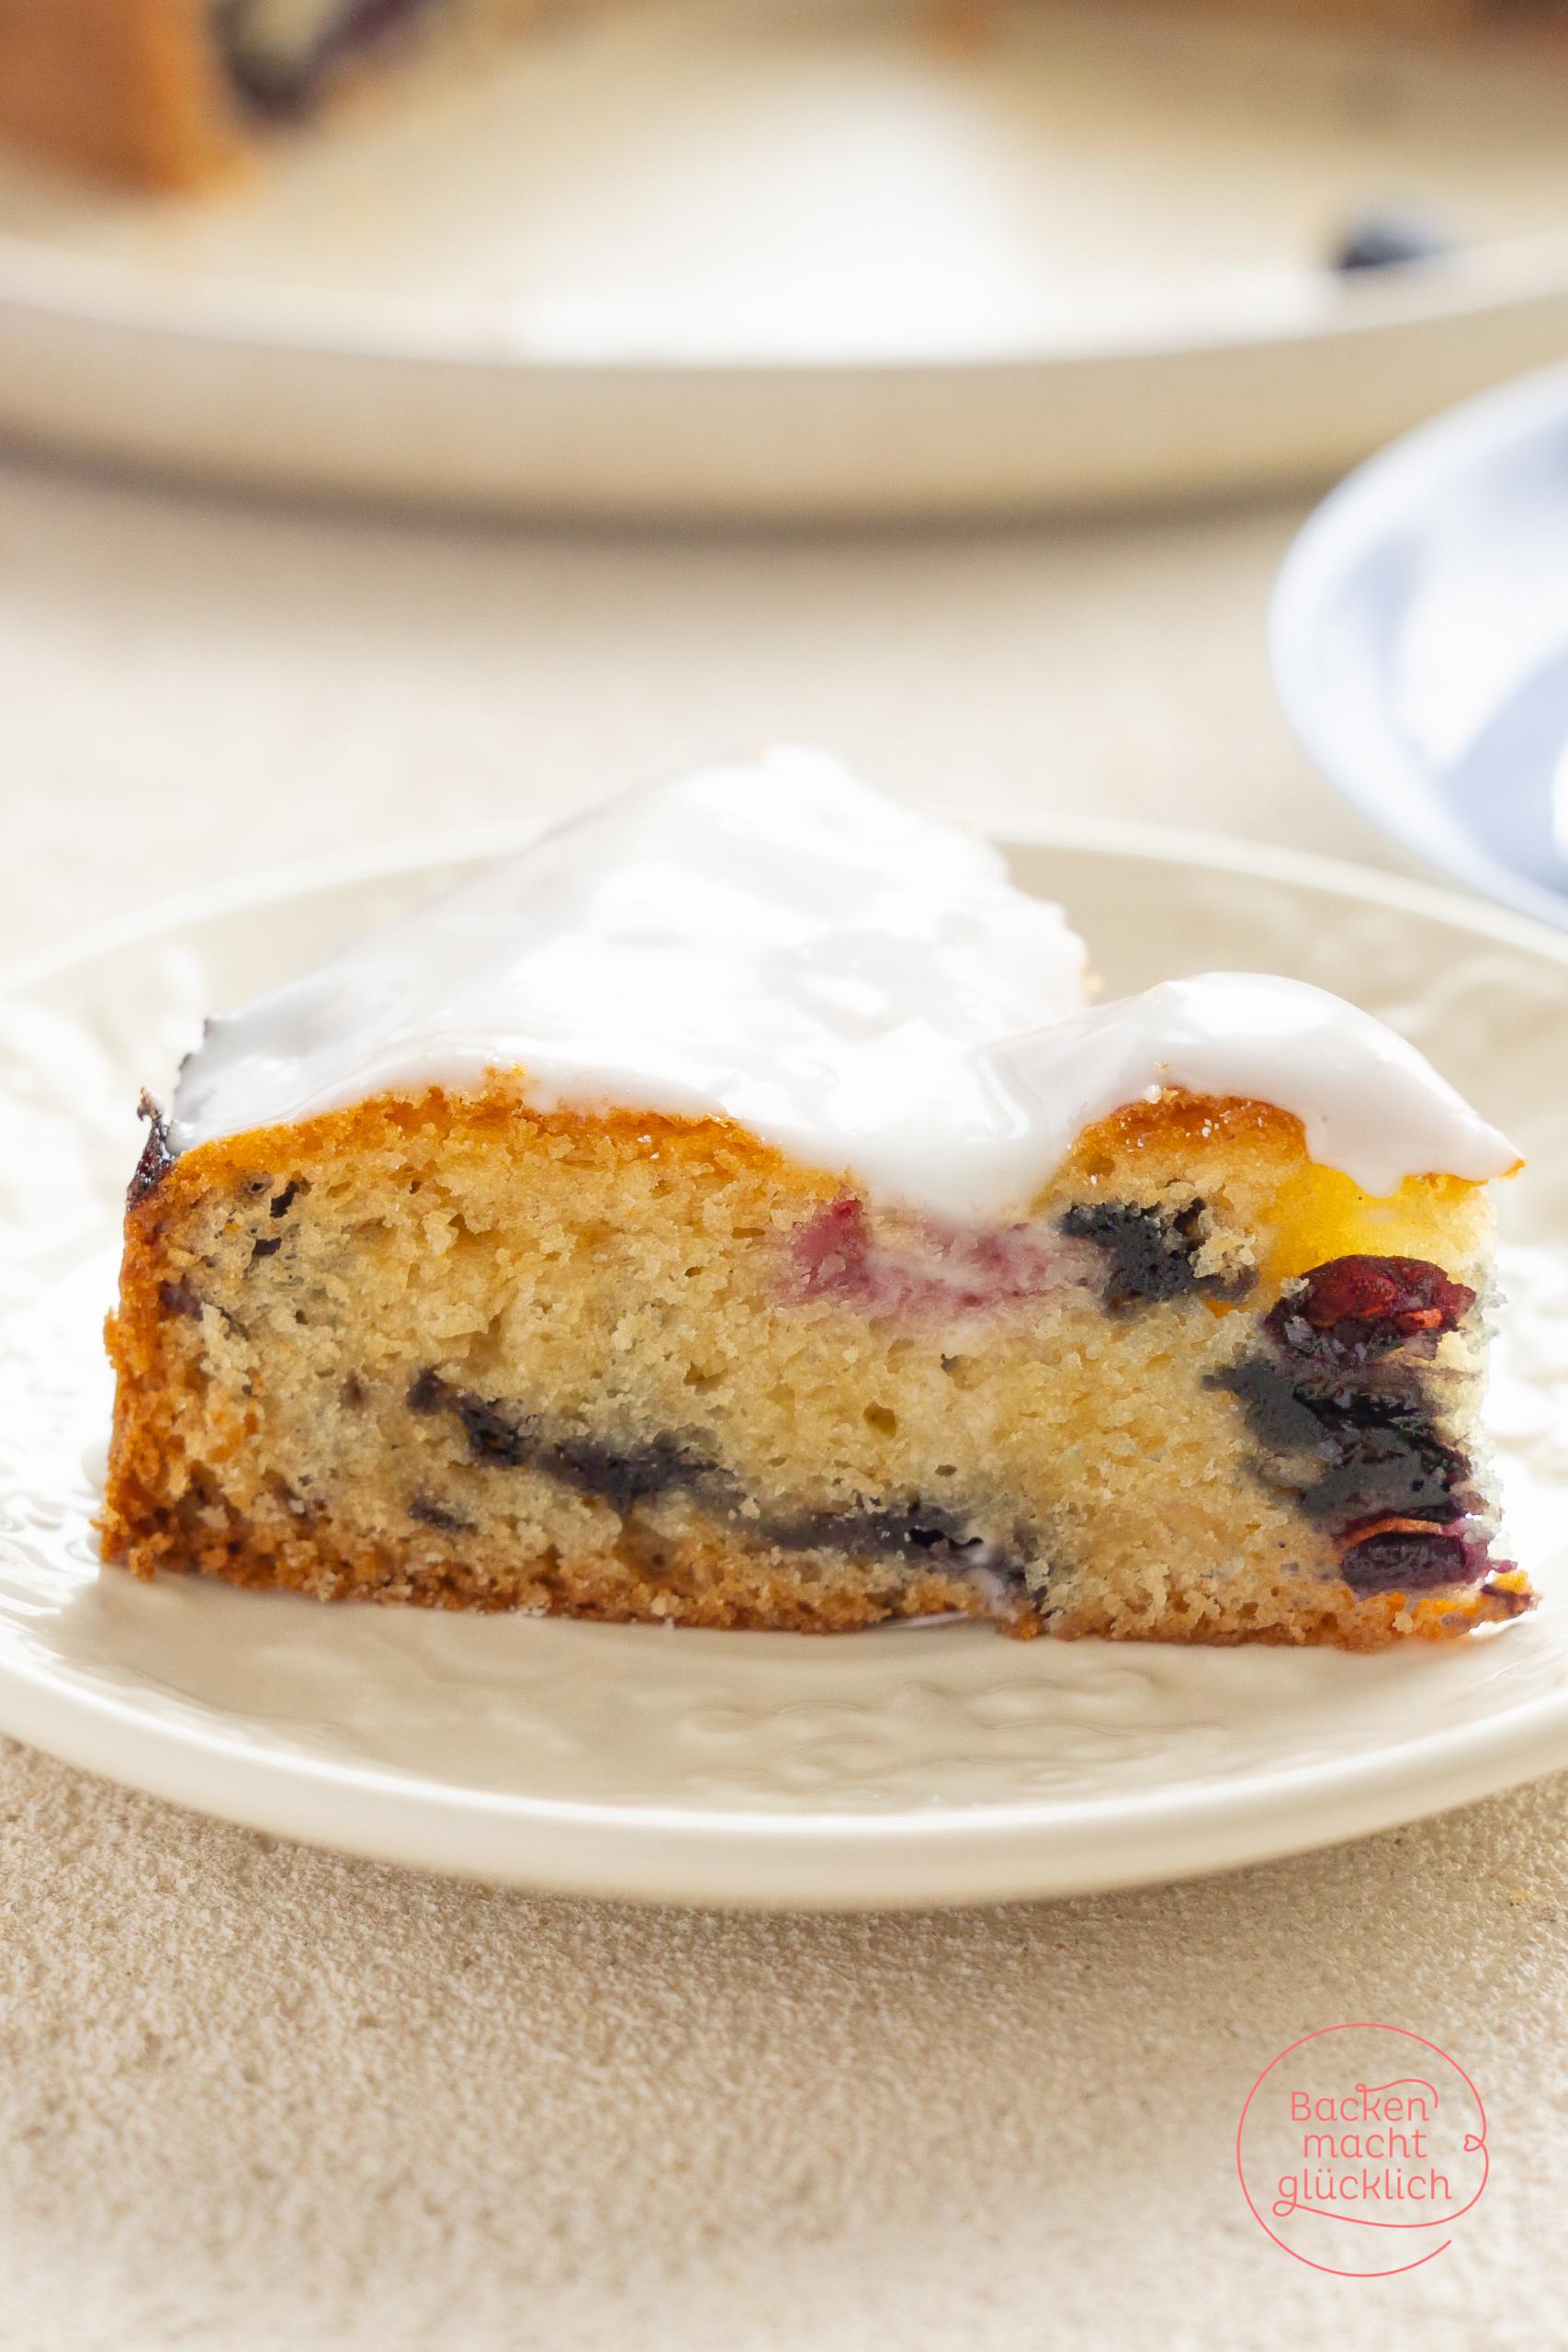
(1420, 639)
(916, 1765)
(816, 256)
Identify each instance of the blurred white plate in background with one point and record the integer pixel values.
(814, 257)
(940, 1764)
(1420, 638)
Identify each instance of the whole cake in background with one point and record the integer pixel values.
(732, 1211)
(172, 92)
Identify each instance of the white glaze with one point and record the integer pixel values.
(1368, 1104)
(779, 946)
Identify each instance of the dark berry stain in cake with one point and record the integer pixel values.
(926, 1535)
(434, 1514)
(157, 1154)
(931, 1535)
(1150, 1254)
(1346, 1452)
(281, 1203)
(178, 1298)
(1345, 1408)
(1384, 1464)
(621, 1476)
(1352, 1309)
(267, 1246)
(1411, 1559)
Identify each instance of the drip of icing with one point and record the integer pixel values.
(1368, 1104)
(778, 946)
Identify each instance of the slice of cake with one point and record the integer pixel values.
(731, 1212)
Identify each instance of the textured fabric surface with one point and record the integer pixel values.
(253, 2095)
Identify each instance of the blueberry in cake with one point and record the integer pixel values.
(169, 93)
(731, 1211)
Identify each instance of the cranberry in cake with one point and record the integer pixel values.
(734, 1212)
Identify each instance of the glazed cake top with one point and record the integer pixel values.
(777, 944)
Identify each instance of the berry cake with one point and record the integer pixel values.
(733, 1212)
(171, 93)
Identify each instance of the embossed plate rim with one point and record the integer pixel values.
(1033, 1847)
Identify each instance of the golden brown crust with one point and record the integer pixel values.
(704, 1579)
(710, 1580)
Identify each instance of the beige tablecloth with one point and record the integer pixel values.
(253, 2095)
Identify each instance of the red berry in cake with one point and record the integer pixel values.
(915, 1266)
(1360, 1305)
(830, 1251)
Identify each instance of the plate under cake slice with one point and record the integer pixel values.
(732, 1212)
